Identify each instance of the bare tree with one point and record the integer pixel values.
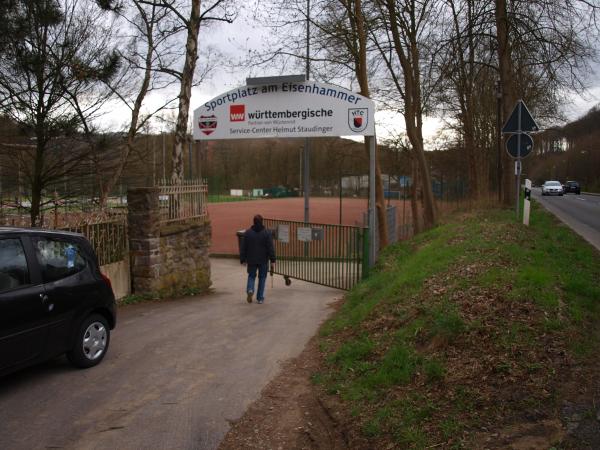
(407, 37)
(339, 54)
(552, 39)
(216, 10)
(53, 61)
(150, 33)
(466, 66)
(357, 47)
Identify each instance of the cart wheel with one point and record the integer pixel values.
(288, 281)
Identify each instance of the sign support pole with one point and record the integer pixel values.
(518, 124)
(372, 229)
(306, 180)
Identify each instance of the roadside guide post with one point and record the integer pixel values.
(519, 144)
(527, 202)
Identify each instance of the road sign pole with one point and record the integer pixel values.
(519, 123)
(306, 180)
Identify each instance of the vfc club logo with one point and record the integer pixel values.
(358, 118)
(237, 113)
(207, 124)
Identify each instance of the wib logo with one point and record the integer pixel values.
(237, 113)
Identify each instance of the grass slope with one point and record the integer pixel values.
(467, 327)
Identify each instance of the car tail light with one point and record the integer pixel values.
(106, 280)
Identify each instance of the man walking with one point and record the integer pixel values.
(256, 251)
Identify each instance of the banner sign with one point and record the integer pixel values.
(285, 110)
(283, 233)
(304, 234)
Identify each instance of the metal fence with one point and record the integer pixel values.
(183, 202)
(61, 214)
(109, 239)
(106, 229)
(330, 255)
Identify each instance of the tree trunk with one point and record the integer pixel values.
(414, 200)
(483, 174)
(413, 114)
(187, 79)
(429, 209)
(509, 96)
(363, 80)
(107, 186)
(37, 184)
(463, 86)
(473, 158)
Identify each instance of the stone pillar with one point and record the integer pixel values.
(144, 238)
(185, 265)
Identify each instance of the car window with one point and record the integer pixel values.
(58, 259)
(13, 265)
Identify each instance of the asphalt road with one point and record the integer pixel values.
(175, 375)
(580, 212)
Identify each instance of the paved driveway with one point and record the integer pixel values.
(175, 375)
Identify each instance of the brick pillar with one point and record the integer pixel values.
(144, 238)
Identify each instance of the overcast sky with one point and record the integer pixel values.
(236, 40)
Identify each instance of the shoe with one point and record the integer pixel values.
(249, 297)
(260, 302)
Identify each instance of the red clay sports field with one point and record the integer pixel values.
(229, 217)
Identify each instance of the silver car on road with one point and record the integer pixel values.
(552, 188)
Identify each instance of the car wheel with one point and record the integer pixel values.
(91, 342)
(560, 194)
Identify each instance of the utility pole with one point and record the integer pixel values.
(164, 164)
(307, 140)
(190, 171)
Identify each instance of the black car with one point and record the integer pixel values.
(53, 299)
(572, 186)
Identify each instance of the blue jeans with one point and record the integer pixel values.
(262, 278)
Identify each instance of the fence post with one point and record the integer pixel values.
(365, 253)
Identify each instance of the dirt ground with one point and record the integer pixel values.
(289, 413)
(292, 413)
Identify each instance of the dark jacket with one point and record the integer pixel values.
(257, 246)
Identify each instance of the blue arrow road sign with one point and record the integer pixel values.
(519, 145)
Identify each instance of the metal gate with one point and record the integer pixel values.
(330, 255)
